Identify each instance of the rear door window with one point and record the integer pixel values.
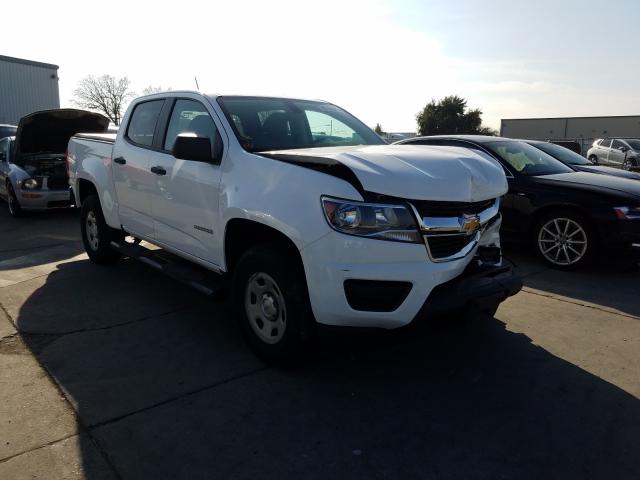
(606, 143)
(143, 122)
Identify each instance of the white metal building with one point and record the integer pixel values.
(26, 87)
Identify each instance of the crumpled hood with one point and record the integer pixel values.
(50, 130)
(416, 172)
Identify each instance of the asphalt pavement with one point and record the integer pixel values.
(121, 373)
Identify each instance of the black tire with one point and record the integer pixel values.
(576, 245)
(96, 234)
(275, 332)
(593, 159)
(628, 164)
(15, 210)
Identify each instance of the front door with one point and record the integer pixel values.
(131, 169)
(185, 199)
(603, 150)
(617, 153)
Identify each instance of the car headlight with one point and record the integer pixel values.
(371, 220)
(29, 183)
(628, 213)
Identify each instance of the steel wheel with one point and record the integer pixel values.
(93, 237)
(562, 241)
(265, 308)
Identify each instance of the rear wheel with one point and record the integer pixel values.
(96, 234)
(564, 240)
(12, 202)
(272, 305)
(593, 159)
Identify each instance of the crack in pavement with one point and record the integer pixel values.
(48, 444)
(179, 397)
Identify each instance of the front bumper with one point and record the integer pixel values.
(476, 289)
(44, 199)
(334, 260)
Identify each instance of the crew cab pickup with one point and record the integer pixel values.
(307, 214)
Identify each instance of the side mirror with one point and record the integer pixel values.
(187, 147)
(623, 149)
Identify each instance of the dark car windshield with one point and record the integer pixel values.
(633, 143)
(563, 154)
(263, 124)
(526, 159)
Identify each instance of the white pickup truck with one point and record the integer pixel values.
(297, 205)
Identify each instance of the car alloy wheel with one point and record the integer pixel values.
(265, 308)
(562, 241)
(92, 234)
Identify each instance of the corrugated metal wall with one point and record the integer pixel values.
(571, 127)
(26, 88)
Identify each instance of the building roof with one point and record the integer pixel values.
(4, 58)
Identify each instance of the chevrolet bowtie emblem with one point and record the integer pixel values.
(469, 224)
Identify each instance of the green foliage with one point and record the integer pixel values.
(450, 116)
(378, 129)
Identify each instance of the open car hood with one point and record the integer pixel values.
(50, 130)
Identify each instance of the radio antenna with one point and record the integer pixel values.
(197, 86)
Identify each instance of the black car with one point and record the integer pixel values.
(569, 217)
(578, 162)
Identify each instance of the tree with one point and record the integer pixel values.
(450, 116)
(106, 94)
(378, 129)
(152, 89)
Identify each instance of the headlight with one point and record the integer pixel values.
(372, 220)
(29, 183)
(628, 213)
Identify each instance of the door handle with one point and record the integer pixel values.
(158, 170)
(120, 160)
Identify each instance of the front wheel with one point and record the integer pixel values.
(96, 234)
(272, 303)
(564, 240)
(15, 210)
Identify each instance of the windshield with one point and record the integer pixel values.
(262, 124)
(633, 143)
(563, 154)
(526, 159)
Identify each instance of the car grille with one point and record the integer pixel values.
(443, 246)
(450, 209)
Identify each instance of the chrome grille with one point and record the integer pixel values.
(451, 230)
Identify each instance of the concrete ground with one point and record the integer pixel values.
(120, 373)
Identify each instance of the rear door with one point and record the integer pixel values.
(132, 177)
(185, 194)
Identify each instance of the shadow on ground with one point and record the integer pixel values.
(166, 389)
(56, 231)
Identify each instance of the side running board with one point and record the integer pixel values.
(192, 275)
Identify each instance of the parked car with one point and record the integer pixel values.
(7, 130)
(304, 210)
(570, 144)
(32, 164)
(578, 162)
(569, 217)
(622, 152)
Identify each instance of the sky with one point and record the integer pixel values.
(382, 60)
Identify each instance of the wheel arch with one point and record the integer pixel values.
(557, 207)
(241, 234)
